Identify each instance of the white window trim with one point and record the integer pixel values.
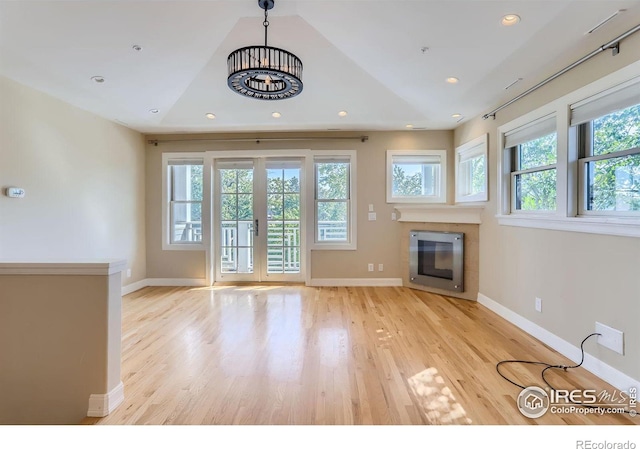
(352, 244)
(476, 147)
(166, 210)
(440, 199)
(566, 216)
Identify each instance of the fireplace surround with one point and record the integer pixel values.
(436, 259)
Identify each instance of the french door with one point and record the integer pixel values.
(258, 227)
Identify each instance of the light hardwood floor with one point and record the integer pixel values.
(300, 355)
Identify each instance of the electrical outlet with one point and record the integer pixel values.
(370, 207)
(370, 267)
(394, 216)
(539, 305)
(380, 267)
(128, 272)
(610, 338)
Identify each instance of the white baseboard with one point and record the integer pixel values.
(134, 287)
(177, 282)
(609, 374)
(163, 282)
(100, 405)
(355, 282)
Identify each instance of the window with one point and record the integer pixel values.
(587, 156)
(333, 201)
(183, 212)
(533, 158)
(416, 176)
(608, 136)
(471, 171)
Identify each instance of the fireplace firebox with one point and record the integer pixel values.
(436, 259)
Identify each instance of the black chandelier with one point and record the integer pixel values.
(263, 72)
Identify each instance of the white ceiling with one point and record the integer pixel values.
(362, 56)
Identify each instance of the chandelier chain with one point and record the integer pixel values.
(266, 24)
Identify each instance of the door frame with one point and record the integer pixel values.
(306, 200)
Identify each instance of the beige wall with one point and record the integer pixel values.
(378, 241)
(84, 181)
(582, 278)
(59, 343)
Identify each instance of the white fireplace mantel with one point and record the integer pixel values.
(419, 213)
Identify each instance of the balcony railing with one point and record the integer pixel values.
(283, 244)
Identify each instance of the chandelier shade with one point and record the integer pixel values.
(263, 72)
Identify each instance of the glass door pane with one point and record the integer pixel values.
(283, 218)
(236, 240)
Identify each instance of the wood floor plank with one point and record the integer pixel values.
(291, 354)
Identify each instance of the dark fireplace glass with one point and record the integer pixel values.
(435, 259)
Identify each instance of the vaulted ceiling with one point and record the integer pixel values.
(384, 62)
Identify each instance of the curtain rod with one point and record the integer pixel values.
(257, 140)
(613, 44)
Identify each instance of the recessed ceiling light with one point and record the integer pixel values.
(276, 115)
(342, 113)
(456, 115)
(97, 79)
(409, 126)
(452, 80)
(210, 115)
(510, 19)
(154, 111)
(137, 48)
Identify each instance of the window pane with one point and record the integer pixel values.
(332, 180)
(536, 190)
(228, 207)
(292, 180)
(292, 259)
(275, 233)
(186, 222)
(228, 181)
(186, 182)
(478, 173)
(292, 206)
(472, 176)
(617, 131)
(538, 153)
(275, 181)
(415, 179)
(275, 206)
(614, 184)
(245, 206)
(332, 221)
(292, 234)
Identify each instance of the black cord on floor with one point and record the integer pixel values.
(549, 366)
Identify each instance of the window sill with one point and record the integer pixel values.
(625, 227)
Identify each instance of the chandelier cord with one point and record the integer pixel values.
(266, 24)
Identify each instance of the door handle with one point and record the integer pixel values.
(257, 227)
